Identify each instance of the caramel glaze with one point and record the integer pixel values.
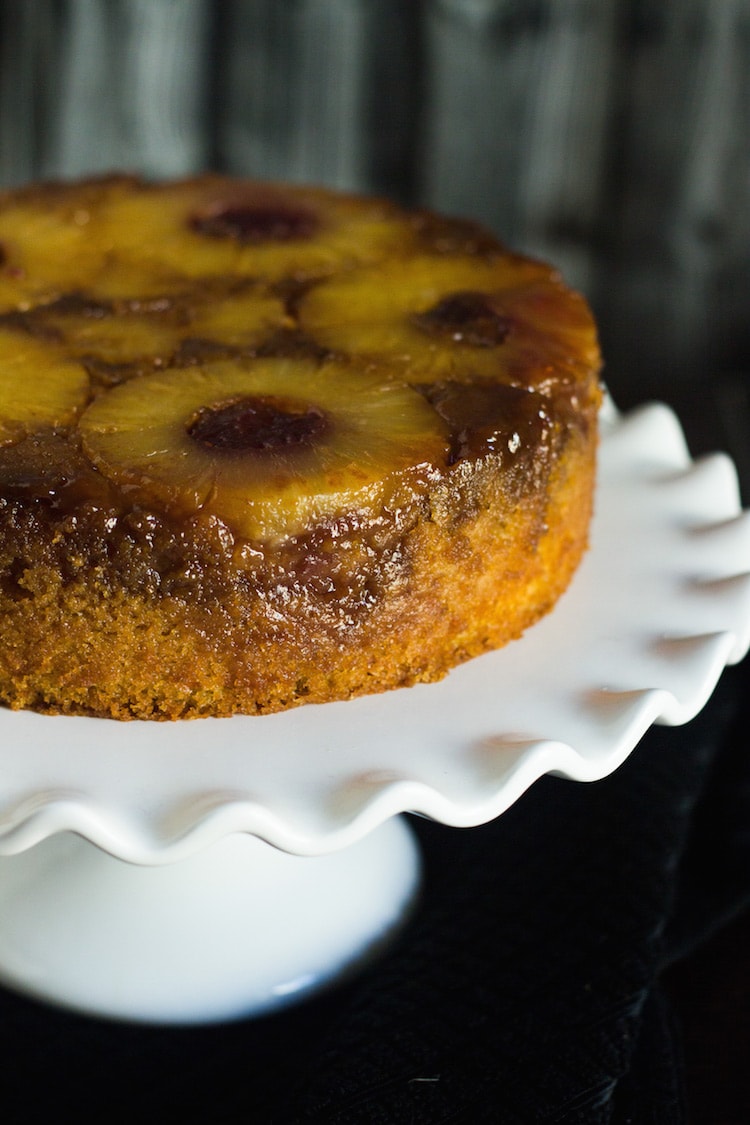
(260, 423)
(52, 497)
(465, 316)
(257, 223)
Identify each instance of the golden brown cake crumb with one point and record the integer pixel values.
(263, 445)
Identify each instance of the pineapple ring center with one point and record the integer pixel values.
(257, 423)
(466, 317)
(255, 223)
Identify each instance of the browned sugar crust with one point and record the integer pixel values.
(437, 526)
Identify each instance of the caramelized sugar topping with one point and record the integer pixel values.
(486, 417)
(256, 223)
(262, 423)
(467, 318)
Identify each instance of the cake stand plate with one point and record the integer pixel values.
(239, 928)
(137, 880)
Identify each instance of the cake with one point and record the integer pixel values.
(263, 445)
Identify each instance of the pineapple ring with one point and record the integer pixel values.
(456, 318)
(210, 227)
(151, 338)
(239, 320)
(38, 386)
(46, 244)
(376, 435)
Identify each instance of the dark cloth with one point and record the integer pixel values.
(525, 988)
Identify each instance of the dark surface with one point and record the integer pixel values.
(557, 961)
(710, 992)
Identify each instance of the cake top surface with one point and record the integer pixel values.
(268, 356)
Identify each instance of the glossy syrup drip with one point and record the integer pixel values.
(487, 417)
(258, 424)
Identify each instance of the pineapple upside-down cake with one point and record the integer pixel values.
(263, 445)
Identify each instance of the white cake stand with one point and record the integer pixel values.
(137, 880)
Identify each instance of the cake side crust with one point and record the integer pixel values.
(446, 589)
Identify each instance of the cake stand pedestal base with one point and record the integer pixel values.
(237, 930)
